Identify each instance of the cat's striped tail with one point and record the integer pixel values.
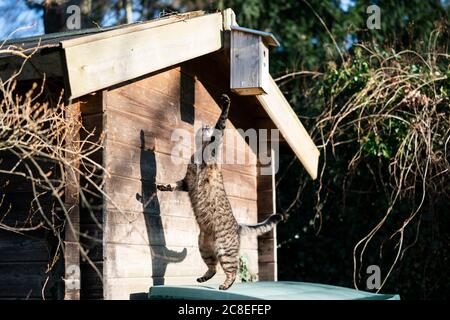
(262, 227)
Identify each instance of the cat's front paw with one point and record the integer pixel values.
(164, 187)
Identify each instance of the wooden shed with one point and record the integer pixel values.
(136, 84)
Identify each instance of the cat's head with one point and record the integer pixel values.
(207, 132)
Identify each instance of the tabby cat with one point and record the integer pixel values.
(219, 238)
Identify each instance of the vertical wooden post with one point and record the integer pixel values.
(267, 243)
(71, 243)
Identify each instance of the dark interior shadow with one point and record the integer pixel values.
(187, 97)
(161, 255)
(139, 296)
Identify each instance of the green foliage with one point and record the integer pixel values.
(354, 193)
(386, 145)
(244, 273)
(353, 77)
(384, 119)
(404, 23)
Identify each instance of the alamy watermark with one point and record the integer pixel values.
(373, 281)
(374, 19)
(73, 21)
(72, 280)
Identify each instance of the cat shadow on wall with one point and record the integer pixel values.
(161, 255)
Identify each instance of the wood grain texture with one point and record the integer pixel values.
(158, 230)
(125, 29)
(141, 107)
(177, 204)
(38, 66)
(23, 248)
(140, 264)
(91, 218)
(266, 273)
(91, 283)
(249, 67)
(71, 203)
(26, 280)
(127, 161)
(267, 244)
(111, 60)
(21, 253)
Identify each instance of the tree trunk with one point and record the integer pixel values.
(128, 4)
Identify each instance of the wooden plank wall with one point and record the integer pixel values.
(71, 203)
(267, 249)
(24, 257)
(91, 107)
(151, 237)
(43, 62)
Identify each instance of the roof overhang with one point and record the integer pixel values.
(295, 134)
(102, 60)
(267, 37)
(229, 23)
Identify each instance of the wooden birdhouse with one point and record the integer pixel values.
(249, 60)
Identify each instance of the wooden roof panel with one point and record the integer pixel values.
(95, 64)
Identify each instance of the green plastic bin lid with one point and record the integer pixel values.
(266, 290)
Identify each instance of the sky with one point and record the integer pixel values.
(346, 4)
(15, 14)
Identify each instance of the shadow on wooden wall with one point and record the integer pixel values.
(161, 255)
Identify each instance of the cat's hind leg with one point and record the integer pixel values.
(230, 267)
(206, 246)
(228, 256)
